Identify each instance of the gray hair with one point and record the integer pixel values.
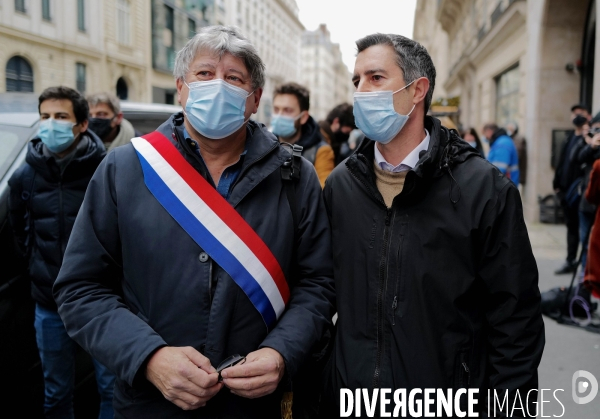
(221, 40)
(107, 98)
(412, 58)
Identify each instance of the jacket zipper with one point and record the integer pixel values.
(399, 279)
(467, 372)
(382, 264)
(380, 298)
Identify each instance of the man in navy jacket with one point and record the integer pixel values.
(138, 292)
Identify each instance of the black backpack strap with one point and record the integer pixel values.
(290, 173)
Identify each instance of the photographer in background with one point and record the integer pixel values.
(587, 155)
(568, 171)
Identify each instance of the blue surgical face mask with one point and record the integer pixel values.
(56, 135)
(215, 108)
(375, 115)
(284, 126)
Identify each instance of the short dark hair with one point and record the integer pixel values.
(301, 93)
(491, 125)
(80, 105)
(344, 112)
(580, 106)
(412, 58)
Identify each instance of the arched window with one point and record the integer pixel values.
(122, 89)
(19, 75)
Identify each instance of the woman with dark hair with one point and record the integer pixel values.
(471, 137)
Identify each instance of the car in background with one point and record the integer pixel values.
(22, 389)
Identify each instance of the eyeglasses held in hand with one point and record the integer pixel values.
(229, 362)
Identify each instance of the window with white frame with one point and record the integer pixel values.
(46, 10)
(123, 22)
(507, 96)
(81, 15)
(20, 6)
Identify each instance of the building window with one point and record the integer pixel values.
(19, 75)
(123, 22)
(20, 6)
(80, 77)
(122, 89)
(169, 38)
(46, 10)
(507, 96)
(81, 15)
(191, 28)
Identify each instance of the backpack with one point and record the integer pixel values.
(305, 396)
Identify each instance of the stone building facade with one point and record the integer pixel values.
(89, 45)
(516, 60)
(324, 72)
(274, 28)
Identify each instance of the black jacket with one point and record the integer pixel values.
(44, 202)
(311, 140)
(568, 168)
(440, 290)
(133, 280)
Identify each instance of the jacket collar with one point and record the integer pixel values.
(445, 151)
(264, 155)
(425, 165)
(311, 134)
(84, 160)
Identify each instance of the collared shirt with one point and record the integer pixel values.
(229, 175)
(409, 161)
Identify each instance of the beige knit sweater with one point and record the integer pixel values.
(389, 184)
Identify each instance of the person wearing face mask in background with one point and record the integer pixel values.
(45, 196)
(472, 138)
(341, 121)
(436, 283)
(198, 255)
(106, 120)
(503, 153)
(568, 171)
(292, 124)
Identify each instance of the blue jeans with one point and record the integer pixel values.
(586, 220)
(57, 353)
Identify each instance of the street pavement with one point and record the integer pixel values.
(568, 349)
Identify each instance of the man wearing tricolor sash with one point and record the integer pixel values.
(194, 244)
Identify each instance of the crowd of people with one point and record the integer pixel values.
(201, 265)
(579, 200)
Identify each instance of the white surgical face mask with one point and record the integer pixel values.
(376, 117)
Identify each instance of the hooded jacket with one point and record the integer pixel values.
(134, 281)
(503, 155)
(45, 196)
(316, 150)
(441, 289)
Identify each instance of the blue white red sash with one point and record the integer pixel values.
(213, 224)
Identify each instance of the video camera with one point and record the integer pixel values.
(593, 131)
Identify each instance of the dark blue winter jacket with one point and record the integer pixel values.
(44, 201)
(134, 281)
